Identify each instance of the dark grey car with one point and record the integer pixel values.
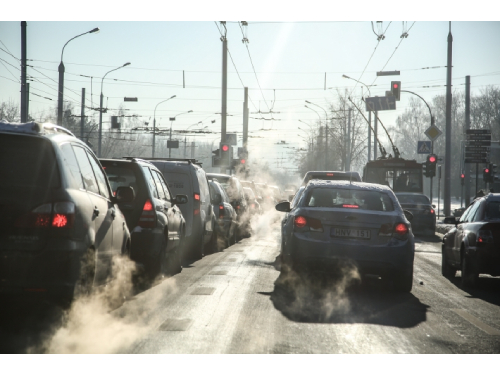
(60, 225)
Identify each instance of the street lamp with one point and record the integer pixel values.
(172, 119)
(154, 121)
(101, 109)
(61, 79)
(369, 124)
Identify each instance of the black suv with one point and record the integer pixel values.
(155, 222)
(60, 225)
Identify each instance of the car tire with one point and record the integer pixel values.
(158, 265)
(403, 280)
(469, 275)
(199, 250)
(85, 282)
(447, 270)
(213, 244)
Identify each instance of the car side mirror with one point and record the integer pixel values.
(124, 194)
(408, 215)
(283, 207)
(181, 199)
(217, 199)
(450, 220)
(433, 206)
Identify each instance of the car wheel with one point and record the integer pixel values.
(469, 276)
(234, 237)
(403, 280)
(159, 265)
(213, 244)
(199, 251)
(447, 270)
(85, 281)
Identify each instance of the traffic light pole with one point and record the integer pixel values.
(224, 90)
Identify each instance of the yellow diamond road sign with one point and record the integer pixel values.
(433, 132)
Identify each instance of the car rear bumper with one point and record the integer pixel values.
(486, 259)
(145, 243)
(52, 273)
(377, 259)
(423, 222)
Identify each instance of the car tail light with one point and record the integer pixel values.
(197, 203)
(385, 230)
(148, 216)
(57, 215)
(300, 221)
(253, 205)
(329, 174)
(315, 225)
(484, 236)
(432, 211)
(64, 215)
(221, 211)
(401, 229)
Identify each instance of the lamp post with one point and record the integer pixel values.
(172, 119)
(101, 109)
(154, 122)
(369, 124)
(61, 79)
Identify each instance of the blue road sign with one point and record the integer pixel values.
(424, 147)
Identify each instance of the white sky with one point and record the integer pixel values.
(290, 59)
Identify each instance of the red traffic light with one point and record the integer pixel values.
(462, 176)
(395, 85)
(225, 148)
(243, 161)
(486, 170)
(432, 159)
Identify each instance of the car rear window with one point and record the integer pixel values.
(412, 199)
(336, 197)
(330, 176)
(27, 163)
(179, 183)
(493, 210)
(121, 176)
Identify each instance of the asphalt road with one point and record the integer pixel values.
(236, 302)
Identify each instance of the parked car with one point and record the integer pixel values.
(234, 190)
(226, 224)
(359, 222)
(60, 225)
(155, 222)
(473, 245)
(330, 176)
(253, 203)
(186, 176)
(424, 216)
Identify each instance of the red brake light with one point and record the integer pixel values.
(329, 174)
(350, 206)
(148, 206)
(432, 211)
(196, 197)
(300, 221)
(59, 220)
(253, 205)
(221, 207)
(401, 229)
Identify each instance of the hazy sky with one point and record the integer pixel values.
(290, 60)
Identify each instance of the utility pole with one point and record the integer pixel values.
(192, 150)
(185, 147)
(375, 133)
(224, 90)
(447, 165)
(27, 101)
(319, 143)
(348, 146)
(245, 120)
(82, 114)
(24, 105)
(467, 126)
(326, 141)
(369, 135)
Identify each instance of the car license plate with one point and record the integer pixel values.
(363, 234)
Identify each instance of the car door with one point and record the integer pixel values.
(462, 228)
(103, 211)
(170, 210)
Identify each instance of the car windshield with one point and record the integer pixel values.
(121, 176)
(412, 199)
(337, 197)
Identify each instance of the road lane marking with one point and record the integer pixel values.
(203, 291)
(175, 325)
(476, 322)
(218, 273)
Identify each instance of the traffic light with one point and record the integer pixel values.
(493, 168)
(462, 179)
(431, 165)
(396, 89)
(424, 169)
(114, 122)
(226, 153)
(486, 174)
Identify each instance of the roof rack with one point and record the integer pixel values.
(33, 128)
(191, 161)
